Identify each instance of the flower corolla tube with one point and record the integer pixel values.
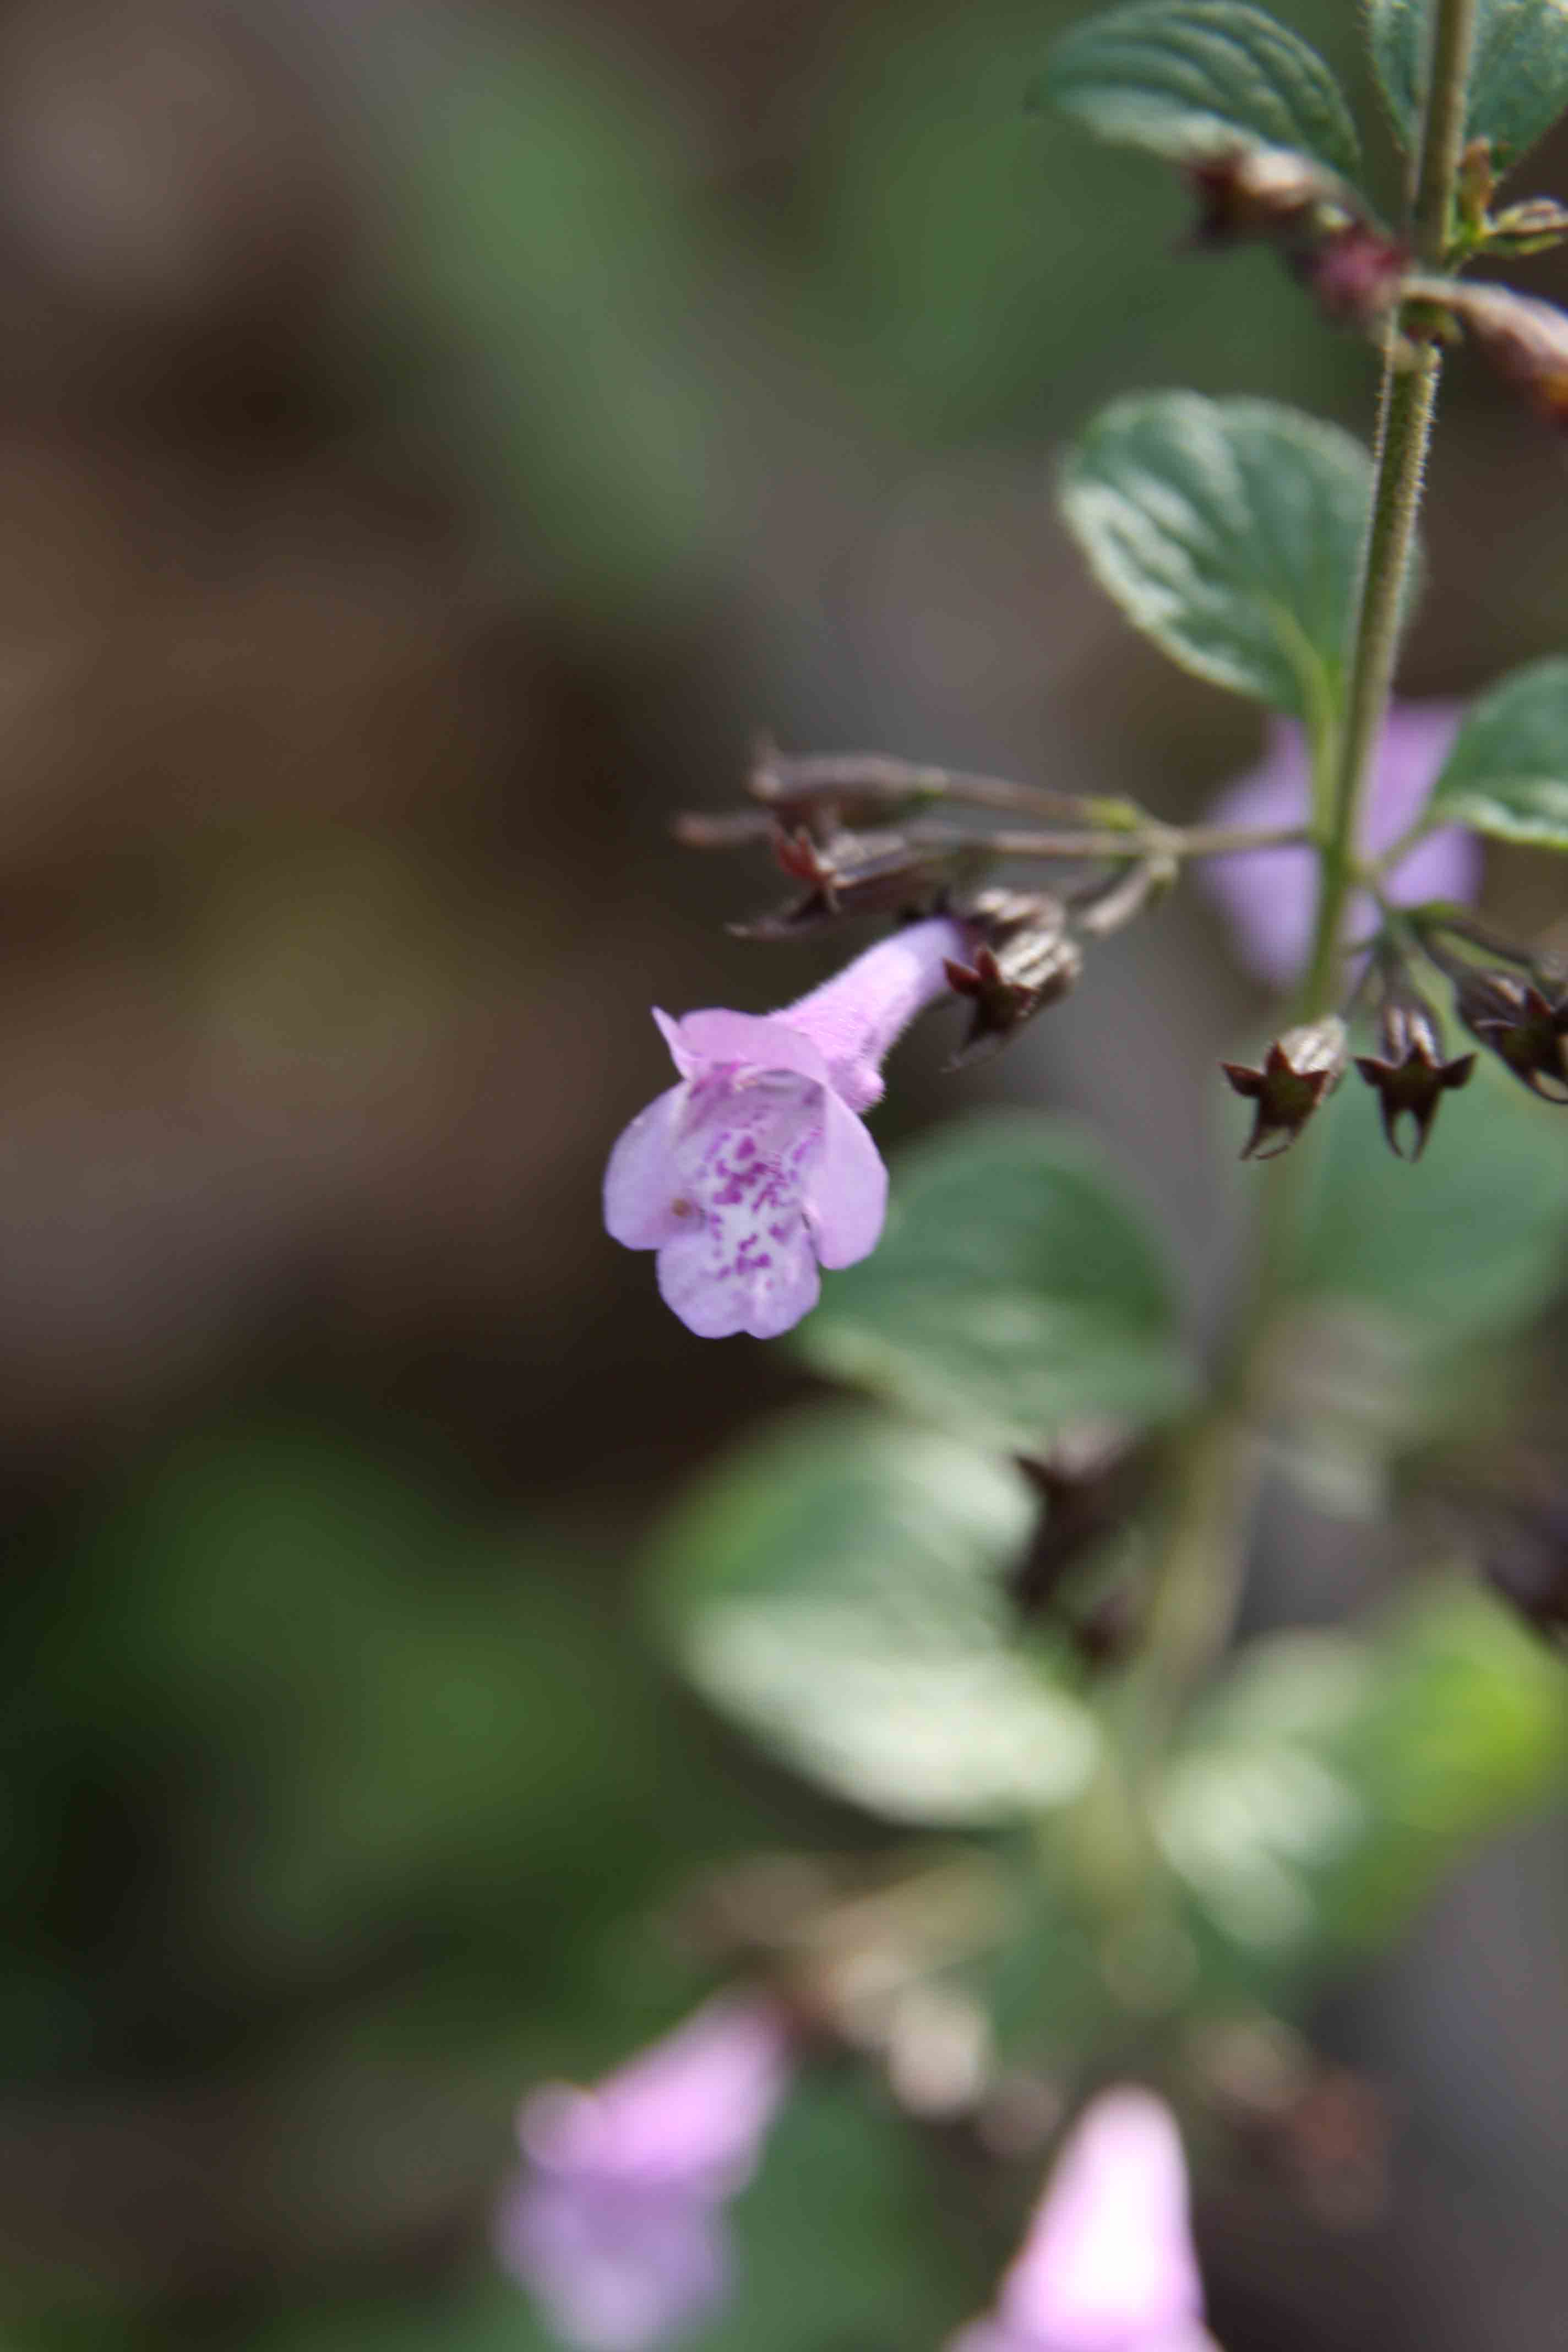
(617, 2225)
(757, 1170)
(1107, 2264)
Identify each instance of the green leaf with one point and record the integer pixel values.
(837, 1588)
(1016, 1287)
(1330, 1781)
(847, 2238)
(1230, 531)
(1188, 78)
(1519, 68)
(1471, 1242)
(1508, 771)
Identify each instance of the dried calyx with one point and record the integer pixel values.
(1517, 1008)
(857, 874)
(1256, 194)
(1024, 958)
(1526, 1029)
(1299, 1071)
(1412, 1073)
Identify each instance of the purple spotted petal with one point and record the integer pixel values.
(1270, 895)
(1108, 2264)
(755, 1171)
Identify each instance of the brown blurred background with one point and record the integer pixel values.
(432, 440)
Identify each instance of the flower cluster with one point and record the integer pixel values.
(756, 1170)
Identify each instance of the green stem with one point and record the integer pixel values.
(1443, 128)
(1195, 1602)
(1404, 428)
(1409, 391)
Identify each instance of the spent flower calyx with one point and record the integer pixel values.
(1299, 1071)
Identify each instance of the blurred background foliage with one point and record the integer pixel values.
(435, 437)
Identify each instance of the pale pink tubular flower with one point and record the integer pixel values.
(1270, 895)
(756, 1169)
(1108, 2263)
(616, 2223)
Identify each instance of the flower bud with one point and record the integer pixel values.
(1411, 1076)
(1301, 1070)
(1024, 960)
(1534, 226)
(1524, 1028)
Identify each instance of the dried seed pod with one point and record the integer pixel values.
(1299, 1071)
(1526, 1029)
(857, 874)
(1025, 959)
(1411, 1076)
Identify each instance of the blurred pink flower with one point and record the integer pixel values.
(617, 2225)
(755, 1170)
(1270, 895)
(1108, 2264)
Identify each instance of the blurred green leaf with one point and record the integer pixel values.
(553, 247)
(397, 1724)
(1229, 531)
(490, 2316)
(838, 1588)
(1017, 1287)
(1328, 1782)
(1472, 1241)
(1189, 78)
(1519, 68)
(848, 2240)
(1507, 773)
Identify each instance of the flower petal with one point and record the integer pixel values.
(642, 1182)
(1108, 2265)
(756, 1041)
(690, 2112)
(1447, 864)
(616, 2271)
(1270, 895)
(716, 1302)
(846, 1200)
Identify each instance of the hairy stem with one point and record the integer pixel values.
(1201, 1580)
(1411, 370)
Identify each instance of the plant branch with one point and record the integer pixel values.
(1151, 841)
(776, 774)
(1195, 1597)
(1404, 425)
